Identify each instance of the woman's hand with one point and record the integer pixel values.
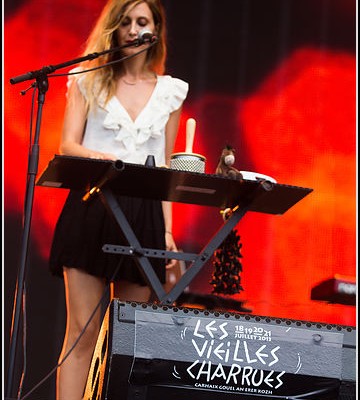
(101, 156)
(170, 246)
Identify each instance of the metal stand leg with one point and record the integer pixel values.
(147, 270)
(142, 254)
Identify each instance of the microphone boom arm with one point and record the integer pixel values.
(47, 70)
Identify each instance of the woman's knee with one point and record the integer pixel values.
(86, 335)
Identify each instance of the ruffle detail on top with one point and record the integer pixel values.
(172, 92)
(168, 95)
(131, 134)
(71, 78)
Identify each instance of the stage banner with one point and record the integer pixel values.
(235, 356)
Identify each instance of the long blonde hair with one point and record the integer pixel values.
(103, 37)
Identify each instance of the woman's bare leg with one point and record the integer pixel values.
(83, 292)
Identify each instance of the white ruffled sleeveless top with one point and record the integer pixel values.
(110, 129)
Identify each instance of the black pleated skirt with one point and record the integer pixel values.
(84, 227)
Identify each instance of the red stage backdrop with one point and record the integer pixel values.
(296, 123)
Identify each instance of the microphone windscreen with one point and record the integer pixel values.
(145, 36)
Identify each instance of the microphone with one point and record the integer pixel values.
(146, 36)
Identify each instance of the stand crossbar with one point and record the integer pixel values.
(151, 253)
(146, 269)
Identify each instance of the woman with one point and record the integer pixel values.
(126, 110)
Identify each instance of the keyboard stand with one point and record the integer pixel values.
(108, 179)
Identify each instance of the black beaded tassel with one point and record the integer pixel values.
(226, 277)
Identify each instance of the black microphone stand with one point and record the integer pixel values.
(42, 85)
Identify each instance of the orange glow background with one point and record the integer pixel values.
(298, 125)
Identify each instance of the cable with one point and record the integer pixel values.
(106, 292)
(23, 374)
(23, 289)
(32, 108)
